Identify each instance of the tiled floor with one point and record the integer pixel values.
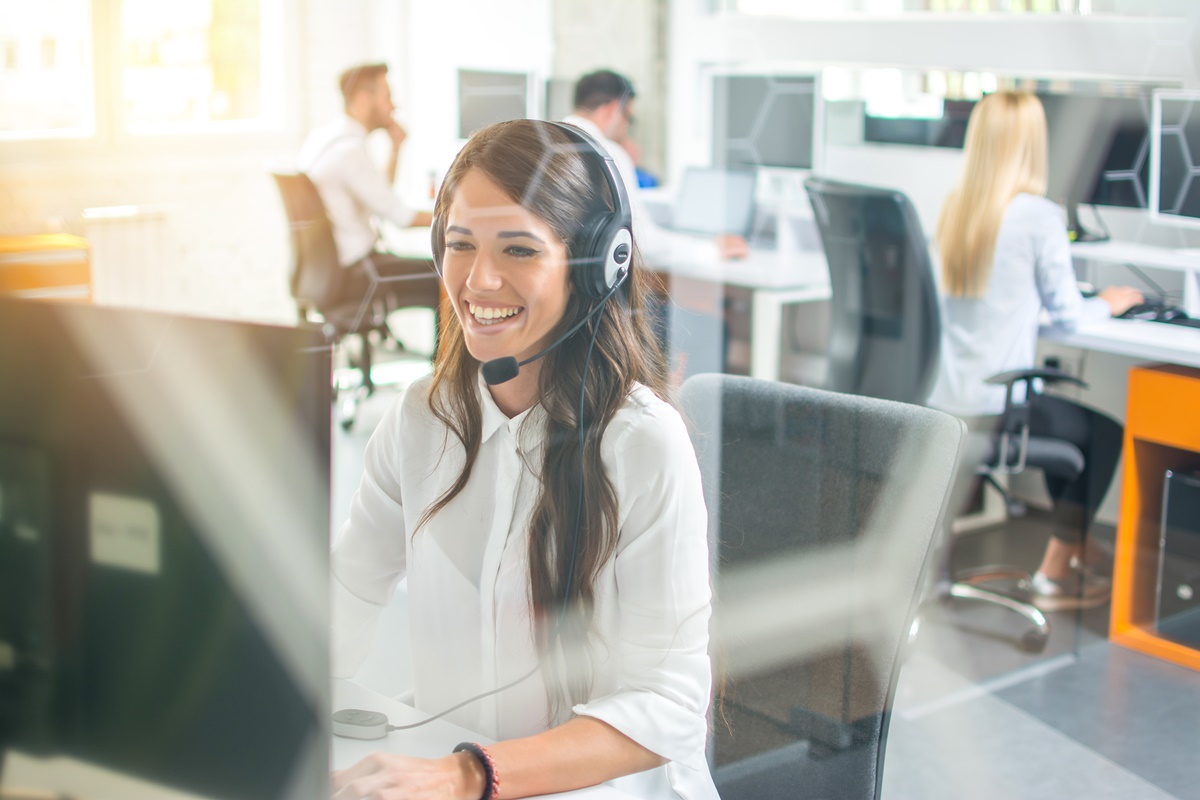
(975, 717)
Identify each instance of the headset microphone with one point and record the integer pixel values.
(500, 370)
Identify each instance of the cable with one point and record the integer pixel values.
(1161, 292)
(574, 548)
(1099, 219)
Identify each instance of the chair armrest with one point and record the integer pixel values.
(1046, 374)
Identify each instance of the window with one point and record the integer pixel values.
(187, 66)
(194, 65)
(47, 77)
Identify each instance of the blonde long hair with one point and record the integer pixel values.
(1005, 156)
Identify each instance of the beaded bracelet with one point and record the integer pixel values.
(491, 787)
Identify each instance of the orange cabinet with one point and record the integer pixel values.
(1162, 432)
(49, 265)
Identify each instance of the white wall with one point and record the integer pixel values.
(925, 174)
(439, 38)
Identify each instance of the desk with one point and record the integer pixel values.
(774, 279)
(434, 740)
(411, 243)
(1142, 255)
(1161, 432)
(1151, 341)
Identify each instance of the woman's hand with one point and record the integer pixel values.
(731, 246)
(388, 776)
(1120, 298)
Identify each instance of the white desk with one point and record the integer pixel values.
(775, 280)
(406, 242)
(1152, 341)
(1142, 255)
(434, 740)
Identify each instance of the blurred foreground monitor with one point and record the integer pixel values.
(164, 525)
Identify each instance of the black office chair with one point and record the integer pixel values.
(824, 509)
(315, 278)
(886, 340)
(1008, 447)
(886, 327)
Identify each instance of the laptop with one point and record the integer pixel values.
(714, 201)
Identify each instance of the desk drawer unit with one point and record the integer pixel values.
(1177, 613)
(50, 266)
(1158, 534)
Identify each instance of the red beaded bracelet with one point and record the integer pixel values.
(491, 787)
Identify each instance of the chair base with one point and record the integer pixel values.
(1033, 640)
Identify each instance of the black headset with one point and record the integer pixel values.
(601, 252)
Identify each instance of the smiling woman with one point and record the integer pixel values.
(505, 272)
(551, 526)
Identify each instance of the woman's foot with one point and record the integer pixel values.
(1078, 589)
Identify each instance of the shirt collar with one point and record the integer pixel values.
(352, 126)
(527, 428)
(587, 126)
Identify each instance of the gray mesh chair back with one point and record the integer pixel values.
(315, 277)
(823, 509)
(886, 330)
(314, 274)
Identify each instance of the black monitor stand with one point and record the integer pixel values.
(1076, 232)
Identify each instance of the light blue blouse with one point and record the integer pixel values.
(998, 332)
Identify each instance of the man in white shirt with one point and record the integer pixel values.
(604, 108)
(357, 194)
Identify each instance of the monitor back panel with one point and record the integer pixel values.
(167, 516)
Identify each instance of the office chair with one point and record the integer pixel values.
(885, 343)
(823, 510)
(886, 327)
(315, 278)
(1007, 448)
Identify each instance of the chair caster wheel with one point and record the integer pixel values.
(348, 409)
(1034, 641)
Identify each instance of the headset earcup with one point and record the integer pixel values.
(618, 256)
(589, 255)
(433, 243)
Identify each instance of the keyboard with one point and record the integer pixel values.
(1155, 310)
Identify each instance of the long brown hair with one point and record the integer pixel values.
(1005, 156)
(538, 166)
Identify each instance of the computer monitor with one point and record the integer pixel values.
(765, 121)
(1098, 152)
(485, 98)
(715, 201)
(947, 130)
(1175, 157)
(164, 530)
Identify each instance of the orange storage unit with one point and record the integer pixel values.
(1162, 432)
(49, 265)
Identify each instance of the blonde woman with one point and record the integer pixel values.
(1004, 258)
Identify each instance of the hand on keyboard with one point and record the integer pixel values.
(1121, 298)
(1158, 310)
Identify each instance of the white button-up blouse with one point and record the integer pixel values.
(468, 579)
